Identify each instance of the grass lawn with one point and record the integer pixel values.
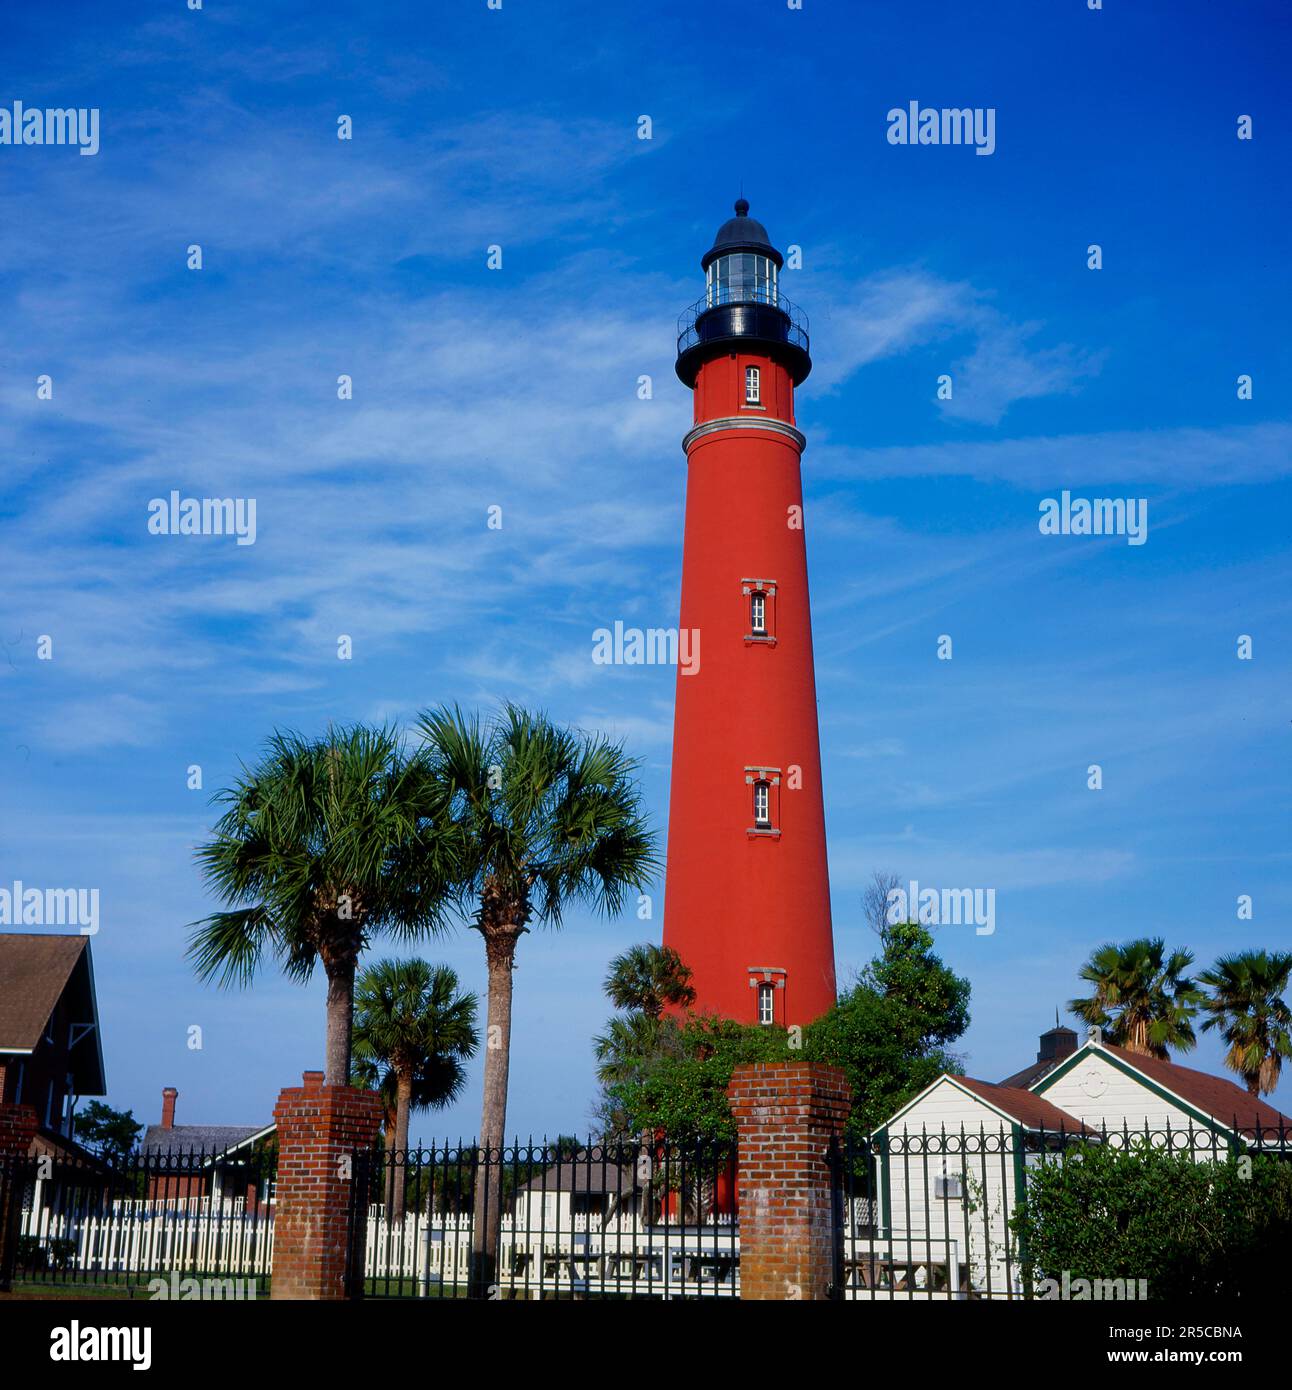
(113, 1286)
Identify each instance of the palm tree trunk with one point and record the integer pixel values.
(486, 1226)
(403, 1104)
(340, 1020)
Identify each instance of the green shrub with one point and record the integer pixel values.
(1190, 1230)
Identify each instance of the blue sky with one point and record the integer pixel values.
(518, 388)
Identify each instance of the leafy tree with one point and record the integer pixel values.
(890, 1032)
(648, 979)
(680, 1090)
(1142, 998)
(539, 818)
(111, 1134)
(413, 1031)
(1246, 1004)
(1189, 1229)
(325, 843)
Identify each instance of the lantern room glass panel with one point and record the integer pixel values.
(742, 278)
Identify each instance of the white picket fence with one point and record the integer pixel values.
(223, 1238)
(426, 1254)
(575, 1254)
(144, 1237)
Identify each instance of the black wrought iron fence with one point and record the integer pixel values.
(941, 1215)
(190, 1224)
(918, 1215)
(619, 1220)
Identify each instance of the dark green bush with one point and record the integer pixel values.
(1190, 1230)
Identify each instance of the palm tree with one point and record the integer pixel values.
(1247, 1005)
(540, 817)
(1142, 999)
(631, 1042)
(649, 979)
(413, 1030)
(325, 843)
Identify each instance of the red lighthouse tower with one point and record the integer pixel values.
(747, 891)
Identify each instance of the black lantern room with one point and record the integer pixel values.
(742, 307)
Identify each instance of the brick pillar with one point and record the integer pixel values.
(17, 1129)
(318, 1127)
(786, 1113)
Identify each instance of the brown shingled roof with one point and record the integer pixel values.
(34, 971)
(1213, 1095)
(1027, 1078)
(1029, 1109)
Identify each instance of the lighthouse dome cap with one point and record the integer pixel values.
(741, 233)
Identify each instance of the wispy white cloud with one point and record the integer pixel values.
(892, 312)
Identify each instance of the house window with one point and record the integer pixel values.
(762, 804)
(752, 395)
(948, 1186)
(766, 1003)
(758, 614)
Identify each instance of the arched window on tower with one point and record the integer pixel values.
(762, 804)
(753, 383)
(766, 1003)
(765, 784)
(758, 613)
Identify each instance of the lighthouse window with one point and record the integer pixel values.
(762, 803)
(752, 376)
(758, 614)
(766, 1003)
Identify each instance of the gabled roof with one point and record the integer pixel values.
(1011, 1104)
(1210, 1096)
(1030, 1110)
(585, 1173)
(200, 1141)
(36, 970)
(1029, 1076)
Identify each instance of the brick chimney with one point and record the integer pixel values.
(169, 1096)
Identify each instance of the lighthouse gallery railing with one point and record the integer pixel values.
(718, 313)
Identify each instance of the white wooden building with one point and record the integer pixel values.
(949, 1165)
(1111, 1089)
